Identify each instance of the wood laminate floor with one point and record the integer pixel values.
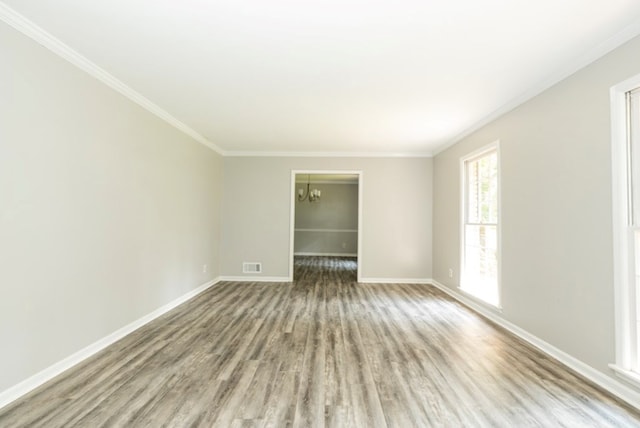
(321, 351)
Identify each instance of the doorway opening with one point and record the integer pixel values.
(325, 221)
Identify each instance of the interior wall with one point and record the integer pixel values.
(107, 213)
(328, 226)
(557, 269)
(396, 229)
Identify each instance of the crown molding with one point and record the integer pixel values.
(573, 66)
(325, 154)
(42, 37)
(38, 34)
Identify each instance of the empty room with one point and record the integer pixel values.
(320, 214)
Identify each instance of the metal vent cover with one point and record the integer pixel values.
(251, 267)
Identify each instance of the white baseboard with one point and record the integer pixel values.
(50, 372)
(327, 254)
(395, 280)
(606, 382)
(256, 278)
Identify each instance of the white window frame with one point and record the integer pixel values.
(624, 283)
(494, 146)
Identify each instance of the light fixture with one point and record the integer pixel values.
(312, 195)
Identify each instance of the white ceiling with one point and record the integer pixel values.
(336, 76)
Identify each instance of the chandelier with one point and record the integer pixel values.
(312, 195)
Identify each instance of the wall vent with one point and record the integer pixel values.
(251, 267)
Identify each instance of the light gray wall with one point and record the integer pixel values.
(334, 215)
(106, 212)
(396, 229)
(557, 274)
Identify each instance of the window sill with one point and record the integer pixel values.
(628, 375)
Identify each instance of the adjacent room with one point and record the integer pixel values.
(323, 213)
(326, 219)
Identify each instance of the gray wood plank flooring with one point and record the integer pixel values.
(321, 351)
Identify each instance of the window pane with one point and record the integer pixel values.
(473, 180)
(634, 152)
(482, 189)
(633, 171)
(481, 262)
(481, 250)
(480, 230)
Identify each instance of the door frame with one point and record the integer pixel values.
(292, 211)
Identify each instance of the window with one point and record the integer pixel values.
(625, 127)
(633, 222)
(480, 231)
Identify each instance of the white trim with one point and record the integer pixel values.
(326, 254)
(616, 388)
(360, 224)
(395, 280)
(627, 375)
(328, 230)
(256, 278)
(572, 66)
(342, 182)
(31, 383)
(478, 301)
(42, 37)
(481, 151)
(326, 154)
(621, 258)
(292, 210)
